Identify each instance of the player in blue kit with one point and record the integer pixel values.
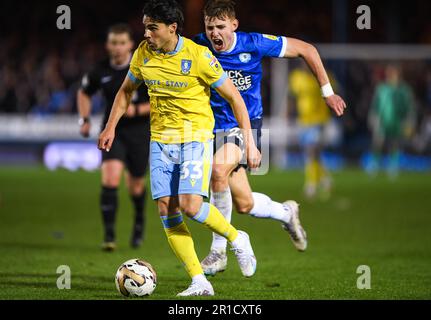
(240, 55)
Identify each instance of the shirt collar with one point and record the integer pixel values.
(178, 47)
(233, 44)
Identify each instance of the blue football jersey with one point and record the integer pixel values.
(242, 63)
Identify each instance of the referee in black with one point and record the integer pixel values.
(130, 150)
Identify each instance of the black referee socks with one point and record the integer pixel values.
(139, 205)
(108, 206)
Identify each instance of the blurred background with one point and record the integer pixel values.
(41, 68)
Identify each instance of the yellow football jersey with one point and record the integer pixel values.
(312, 109)
(179, 88)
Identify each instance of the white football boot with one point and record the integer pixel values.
(244, 254)
(215, 261)
(200, 288)
(294, 228)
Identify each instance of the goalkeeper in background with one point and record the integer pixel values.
(391, 118)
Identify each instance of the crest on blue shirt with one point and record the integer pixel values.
(244, 57)
(185, 66)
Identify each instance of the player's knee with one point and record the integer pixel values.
(111, 183)
(163, 207)
(244, 206)
(136, 187)
(219, 177)
(189, 209)
(111, 180)
(313, 152)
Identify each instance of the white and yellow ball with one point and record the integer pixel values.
(136, 278)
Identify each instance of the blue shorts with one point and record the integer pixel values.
(183, 168)
(310, 136)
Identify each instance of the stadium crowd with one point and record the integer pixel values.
(41, 66)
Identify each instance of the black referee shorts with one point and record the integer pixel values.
(131, 146)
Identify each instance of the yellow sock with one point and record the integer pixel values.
(321, 172)
(211, 217)
(181, 242)
(312, 172)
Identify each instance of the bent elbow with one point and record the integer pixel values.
(311, 50)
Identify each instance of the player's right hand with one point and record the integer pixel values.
(106, 138)
(84, 130)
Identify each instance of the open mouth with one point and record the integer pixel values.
(217, 44)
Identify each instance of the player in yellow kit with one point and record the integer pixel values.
(179, 74)
(313, 116)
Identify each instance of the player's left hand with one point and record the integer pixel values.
(336, 103)
(106, 138)
(253, 156)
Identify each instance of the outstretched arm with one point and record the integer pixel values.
(121, 102)
(298, 48)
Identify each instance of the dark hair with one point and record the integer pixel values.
(165, 11)
(121, 28)
(220, 9)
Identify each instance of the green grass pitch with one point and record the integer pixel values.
(49, 219)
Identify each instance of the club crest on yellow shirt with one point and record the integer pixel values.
(185, 66)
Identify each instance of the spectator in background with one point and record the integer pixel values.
(391, 118)
(8, 97)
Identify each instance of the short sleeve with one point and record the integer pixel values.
(135, 66)
(269, 45)
(90, 83)
(210, 69)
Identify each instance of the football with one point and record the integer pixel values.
(136, 278)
